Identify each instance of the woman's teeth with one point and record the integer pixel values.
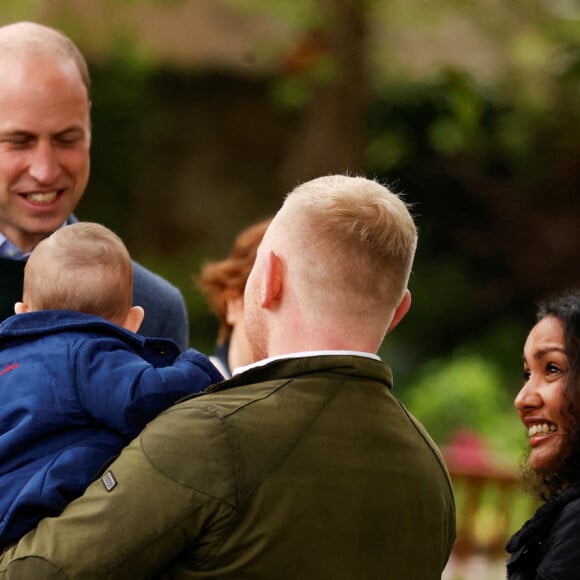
(542, 428)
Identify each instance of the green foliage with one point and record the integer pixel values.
(15, 10)
(445, 115)
(120, 97)
(168, 3)
(465, 391)
(295, 91)
(300, 14)
(476, 163)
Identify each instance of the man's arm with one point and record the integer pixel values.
(168, 485)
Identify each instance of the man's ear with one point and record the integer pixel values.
(272, 290)
(20, 308)
(134, 318)
(401, 310)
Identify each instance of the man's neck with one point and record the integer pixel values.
(17, 246)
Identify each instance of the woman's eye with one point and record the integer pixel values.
(526, 375)
(552, 369)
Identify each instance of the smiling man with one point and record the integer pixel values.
(45, 137)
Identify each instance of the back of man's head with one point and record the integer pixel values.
(83, 267)
(31, 40)
(354, 242)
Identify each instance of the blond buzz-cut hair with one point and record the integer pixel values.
(356, 238)
(83, 267)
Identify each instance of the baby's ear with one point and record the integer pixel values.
(134, 318)
(20, 308)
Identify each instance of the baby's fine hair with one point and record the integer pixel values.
(83, 267)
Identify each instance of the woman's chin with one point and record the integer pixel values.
(546, 459)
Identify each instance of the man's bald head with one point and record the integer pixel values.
(36, 41)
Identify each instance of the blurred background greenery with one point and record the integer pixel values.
(206, 113)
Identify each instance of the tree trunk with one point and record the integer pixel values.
(330, 134)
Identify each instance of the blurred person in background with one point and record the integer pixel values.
(304, 464)
(546, 548)
(223, 283)
(45, 137)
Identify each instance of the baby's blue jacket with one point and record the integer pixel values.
(74, 390)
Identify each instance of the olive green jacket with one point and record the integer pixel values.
(305, 468)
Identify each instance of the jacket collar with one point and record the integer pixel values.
(542, 520)
(329, 364)
(304, 354)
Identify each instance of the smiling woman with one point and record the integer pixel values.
(549, 406)
(541, 399)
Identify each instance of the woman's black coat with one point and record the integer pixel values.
(548, 545)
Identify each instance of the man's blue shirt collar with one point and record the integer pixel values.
(9, 250)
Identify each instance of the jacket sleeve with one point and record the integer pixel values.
(170, 501)
(123, 391)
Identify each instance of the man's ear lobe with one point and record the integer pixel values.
(401, 310)
(273, 281)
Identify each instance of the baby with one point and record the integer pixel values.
(76, 381)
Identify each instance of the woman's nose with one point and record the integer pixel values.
(528, 397)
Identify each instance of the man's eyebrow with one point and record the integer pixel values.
(71, 129)
(11, 133)
(75, 132)
(16, 133)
